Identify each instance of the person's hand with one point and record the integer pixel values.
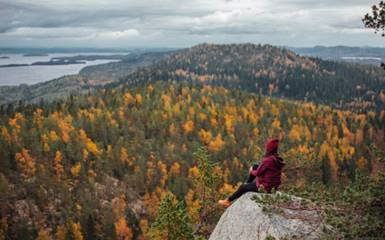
(255, 167)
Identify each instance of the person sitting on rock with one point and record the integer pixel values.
(267, 174)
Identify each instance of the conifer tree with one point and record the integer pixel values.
(172, 221)
(206, 181)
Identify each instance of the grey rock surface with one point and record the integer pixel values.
(246, 220)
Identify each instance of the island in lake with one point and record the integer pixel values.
(44, 63)
(58, 62)
(14, 65)
(35, 55)
(91, 57)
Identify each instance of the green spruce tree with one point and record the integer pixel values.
(172, 221)
(206, 184)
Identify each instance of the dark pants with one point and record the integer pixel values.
(249, 186)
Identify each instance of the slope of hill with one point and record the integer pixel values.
(50, 91)
(54, 157)
(272, 71)
(117, 70)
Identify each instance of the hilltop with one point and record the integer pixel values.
(271, 71)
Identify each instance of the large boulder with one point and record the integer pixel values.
(270, 216)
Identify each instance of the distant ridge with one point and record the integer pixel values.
(270, 70)
(364, 55)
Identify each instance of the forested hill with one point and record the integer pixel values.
(98, 165)
(272, 71)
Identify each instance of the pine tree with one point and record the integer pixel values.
(172, 221)
(206, 182)
(90, 230)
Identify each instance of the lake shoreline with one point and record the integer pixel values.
(18, 69)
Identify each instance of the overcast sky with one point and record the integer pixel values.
(182, 23)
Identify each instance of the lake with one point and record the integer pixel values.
(41, 73)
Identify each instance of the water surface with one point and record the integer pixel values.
(41, 73)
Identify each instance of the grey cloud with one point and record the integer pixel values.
(16, 15)
(324, 3)
(184, 23)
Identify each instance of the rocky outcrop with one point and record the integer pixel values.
(263, 216)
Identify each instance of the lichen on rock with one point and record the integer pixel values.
(270, 216)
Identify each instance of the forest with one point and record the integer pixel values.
(274, 71)
(148, 158)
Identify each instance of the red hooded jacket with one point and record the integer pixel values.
(269, 172)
